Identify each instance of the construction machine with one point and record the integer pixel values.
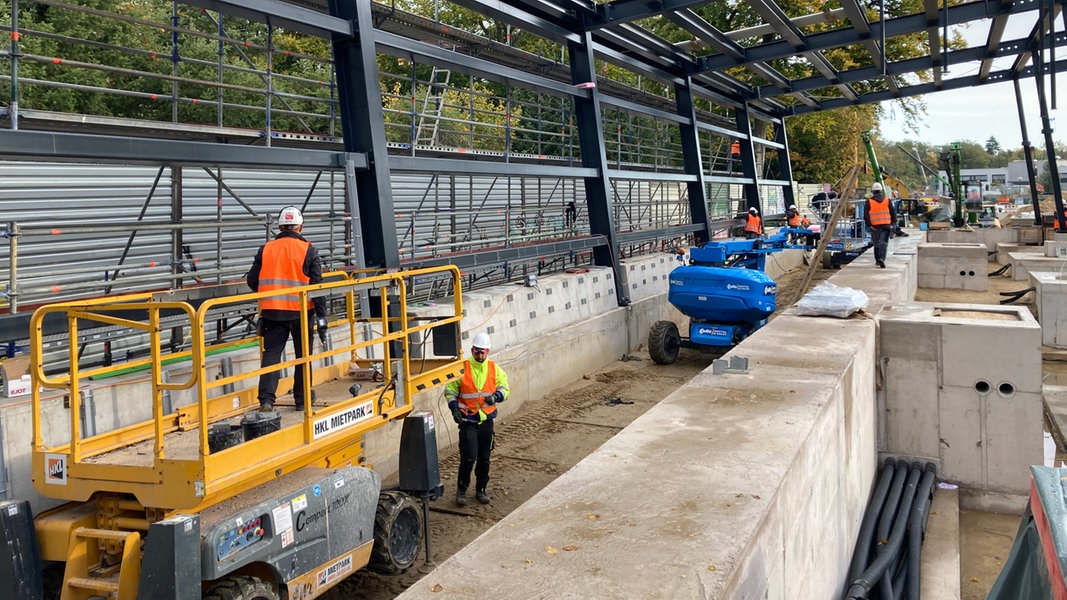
(168, 480)
(724, 291)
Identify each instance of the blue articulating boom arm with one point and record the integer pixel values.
(747, 253)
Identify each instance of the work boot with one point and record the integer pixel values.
(880, 263)
(483, 497)
(266, 406)
(461, 497)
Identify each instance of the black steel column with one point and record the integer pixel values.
(785, 167)
(1028, 154)
(1046, 128)
(698, 202)
(362, 123)
(748, 159)
(591, 141)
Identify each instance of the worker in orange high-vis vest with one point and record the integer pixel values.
(287, 261)
(879, 214)
(794, 218)
(735, 155)
(472, 399)
(753, 224)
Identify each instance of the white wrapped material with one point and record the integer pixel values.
(829, 300)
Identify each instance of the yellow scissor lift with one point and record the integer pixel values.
(119, 482)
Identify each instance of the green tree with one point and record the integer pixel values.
(992, 146)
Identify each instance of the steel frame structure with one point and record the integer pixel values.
(707, 96)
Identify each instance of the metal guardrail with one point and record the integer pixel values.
(166, 460)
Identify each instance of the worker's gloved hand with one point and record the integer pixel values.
(457, 415)
(490, 399)
(321, 325)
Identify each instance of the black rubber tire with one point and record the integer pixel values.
(664, 342)
(241, 588)
(398, 533)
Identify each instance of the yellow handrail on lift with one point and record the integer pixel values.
(165, 461)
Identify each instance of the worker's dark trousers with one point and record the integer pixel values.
(880, 237)
(275, 336)
(475, 444)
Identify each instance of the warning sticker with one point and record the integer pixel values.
(283, 523)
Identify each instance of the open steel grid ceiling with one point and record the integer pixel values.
(743, 72)
(711, 62)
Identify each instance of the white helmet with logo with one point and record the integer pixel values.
(481, 341)
(290, 215)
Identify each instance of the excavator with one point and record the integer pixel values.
(167, 480)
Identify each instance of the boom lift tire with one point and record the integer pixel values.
(398, 531)
(664, 342)
(242, 588)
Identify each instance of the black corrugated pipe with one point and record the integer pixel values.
(885, 522)
(865, 540)
(917, 529)
(887, 553)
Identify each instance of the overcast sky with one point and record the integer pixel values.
(976, 113)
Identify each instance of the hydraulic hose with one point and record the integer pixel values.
(916, 531)
(865, 539)
(887, 554)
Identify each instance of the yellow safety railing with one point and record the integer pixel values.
(166, 460)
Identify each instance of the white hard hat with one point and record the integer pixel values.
(481, 341)
(792, 207)
(753, 210)
(876, 187)
(290, 215)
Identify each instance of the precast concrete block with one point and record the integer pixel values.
(1051, 291)
(1014, 427)
(911, 407)
(932, 281)
(1056, 248)
(989, 237)
(969, 356)
(954, 250)
(960, 426)
(901, 337)
(1023, 264)
(1004, 251)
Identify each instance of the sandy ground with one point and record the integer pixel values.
(549, 436)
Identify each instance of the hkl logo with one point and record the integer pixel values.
(55, 466)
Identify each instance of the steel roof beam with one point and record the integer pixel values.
(929, 88)
(933, 36)
(1031, 42)
(960, 13)
(858, 17)
(280, 14)
(73, 147)
(911, 65)
(776, 17)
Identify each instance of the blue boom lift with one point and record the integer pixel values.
(725, 293)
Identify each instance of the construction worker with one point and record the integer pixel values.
(735, 155)
(473, 399)
(287, 261)
(879, 214)
(794, 218)
(753, 224)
